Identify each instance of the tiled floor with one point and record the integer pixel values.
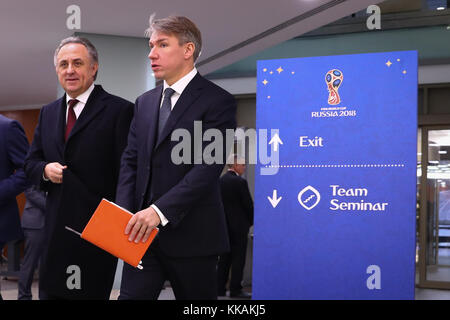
(9, 288)
(9, 292)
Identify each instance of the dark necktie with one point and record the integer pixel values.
(71, 117)
(164, 112)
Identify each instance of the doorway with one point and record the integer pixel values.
(433, 177)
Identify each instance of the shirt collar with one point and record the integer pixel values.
(232, 170)
(82, 97)
(181, 84)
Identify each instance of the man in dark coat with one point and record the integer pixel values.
(181, 197)
(238, 205)
(75, 157)
(13, 149)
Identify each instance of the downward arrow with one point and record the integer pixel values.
(275, 141)
(274, 201)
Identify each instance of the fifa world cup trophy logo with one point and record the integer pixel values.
(334, 78)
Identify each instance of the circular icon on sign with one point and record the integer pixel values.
(309, 197)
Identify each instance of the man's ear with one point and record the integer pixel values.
(95, 67)
(189, 49)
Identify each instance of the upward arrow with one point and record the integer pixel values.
(275, 141)
(274, 201)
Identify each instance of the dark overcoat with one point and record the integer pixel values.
(92, 156)
(237, 202)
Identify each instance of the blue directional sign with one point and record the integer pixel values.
(335, 209)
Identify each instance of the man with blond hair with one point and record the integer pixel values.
(183, 200)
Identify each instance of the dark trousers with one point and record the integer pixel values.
(235, 259)
(191, 278)
(34, 239)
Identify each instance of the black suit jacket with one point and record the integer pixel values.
(92, 155)
(187, 194)
(13, 149)
(237, 202)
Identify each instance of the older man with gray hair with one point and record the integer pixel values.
(75, 157)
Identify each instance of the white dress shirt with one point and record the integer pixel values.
(82, 99)
(178, 87)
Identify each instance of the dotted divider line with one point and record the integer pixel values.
(337, 166)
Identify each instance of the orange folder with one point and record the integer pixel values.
(106, 230)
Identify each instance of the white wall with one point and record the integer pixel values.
(237, 85)
(434, 74)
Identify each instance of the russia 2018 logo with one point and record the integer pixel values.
(334, 78)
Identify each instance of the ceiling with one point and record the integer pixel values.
(231, 30)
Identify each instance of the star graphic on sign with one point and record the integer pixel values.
(265, 82)
(264, 69)
(280, 70)
(271, 72)
(388, 63)
(404, 71)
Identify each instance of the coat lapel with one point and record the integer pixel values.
(94, 106)
(187, 98)
(152, 115)
(61, 126)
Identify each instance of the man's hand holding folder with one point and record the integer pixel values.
(106, 229)
(141, 225)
